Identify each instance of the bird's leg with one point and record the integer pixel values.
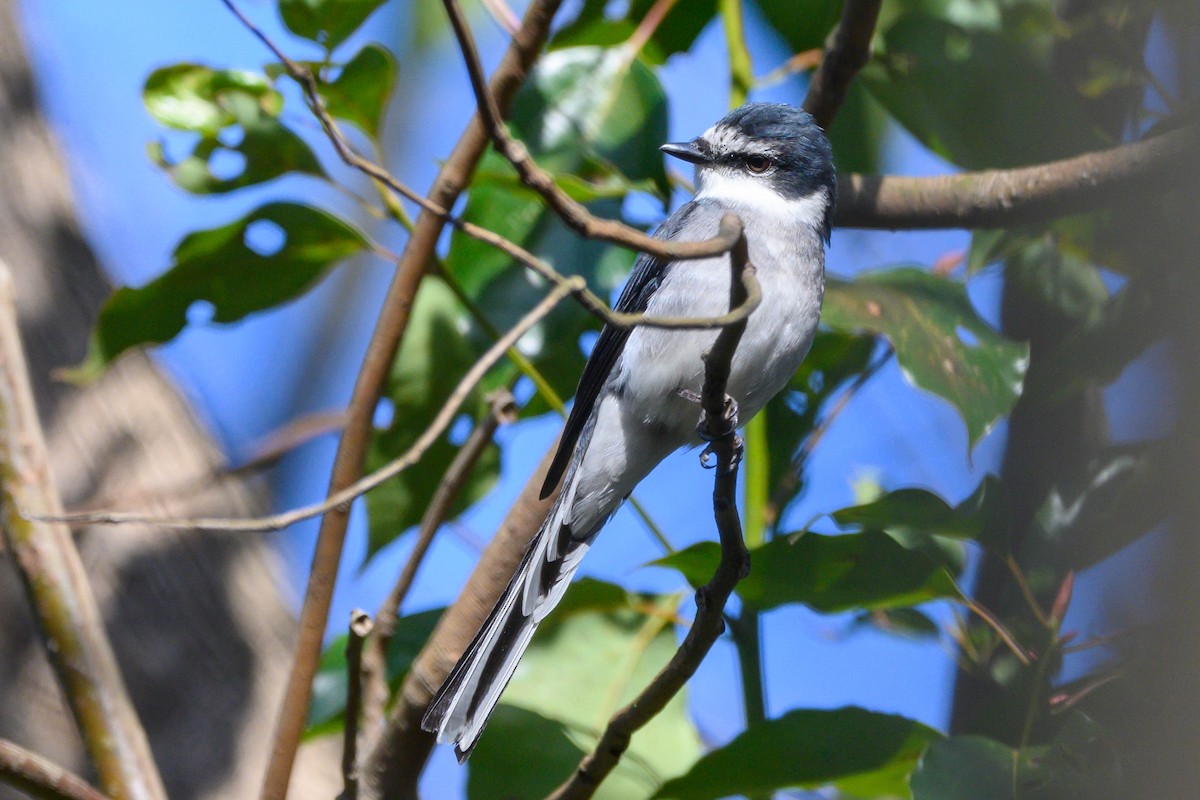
(727, 427)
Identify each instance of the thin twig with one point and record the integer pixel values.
(390, 327)
(1006, 198)
(360, 628)
(57, 586)
(501, 410)
(846, 52)
(344, 497)
(570, 211)
(41, 778)
(710, 598)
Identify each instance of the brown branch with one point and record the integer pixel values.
(711, 598)
(501, 409)
(1012, 197)
(57, 586)
(396, 758)
(847, 50)
(38, 777)
(360, 629)
(341, 499)
(572, 212)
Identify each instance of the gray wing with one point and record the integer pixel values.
(645, 278)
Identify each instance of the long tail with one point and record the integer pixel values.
(462, 706)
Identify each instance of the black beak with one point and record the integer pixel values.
(687, 151)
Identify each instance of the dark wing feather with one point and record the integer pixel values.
(644, 280)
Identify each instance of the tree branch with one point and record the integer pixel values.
(56, 583)
(1012, 197)
(572, 212)
(381, 352)
(360, 629)
(711, 598)
(847, 50)
(41, 778)
(501, 409)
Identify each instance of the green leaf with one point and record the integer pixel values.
(983, 517)
(549, 716)
(360, 92)
(975, 97)
(674, 34)
(218, 104)
(908, 622)
(327, 712)
(327, 22)
(862, 753)
(439, 346)
(220, 267)
(827, 573)
(803, 24)
(1079, 763)
(941, 343)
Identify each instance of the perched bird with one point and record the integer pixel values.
(770, 164)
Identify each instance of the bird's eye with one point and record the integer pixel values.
(758, 164)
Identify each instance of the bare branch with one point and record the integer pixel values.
(360, 629)
(1012, 197)
(41, 778)
(56, 583)
(847, 50)
(501, 409)
(568, 209)
(342, 499)
(710, 598)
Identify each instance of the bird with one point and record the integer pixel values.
(772, 166)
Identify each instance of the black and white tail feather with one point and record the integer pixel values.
(466, 700)
(771, 165)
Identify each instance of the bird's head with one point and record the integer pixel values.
(760, 155)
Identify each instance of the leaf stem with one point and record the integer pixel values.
(741, 68)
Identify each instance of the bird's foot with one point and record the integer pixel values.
(727, 429)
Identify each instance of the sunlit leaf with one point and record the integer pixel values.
(438, 348)
(862, 753)
(975, 97)
(327, 712)
(942, 345)
(328, 22)
(236, 115)
(268, 257)
(827, 573)
(360, 92)
(551, 714)
(675, 33)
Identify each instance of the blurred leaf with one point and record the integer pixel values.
(327, 22)
(553, 715)
(360, 92)
(909, 622)
(1118, 498)
(1078, 764)
(221, 106)
(1054, 281)
(675, 33)
(976, 98)
(857, 132)
(941, 343)
(827, 573)
(862, 753)
(983, 517)
(327, 712)
(803, 24)
(230, 268)
(437, 350)
(834, 359)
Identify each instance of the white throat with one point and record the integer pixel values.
(755, 197)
